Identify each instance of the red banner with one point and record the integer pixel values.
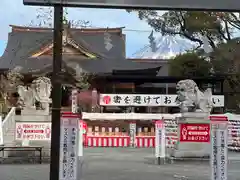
(83, 124)
(194, 132)
(159, 123)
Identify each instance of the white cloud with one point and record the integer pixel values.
(18, 14)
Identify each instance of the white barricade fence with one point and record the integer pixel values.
(26, 130)
(171, 133)
(233, 132)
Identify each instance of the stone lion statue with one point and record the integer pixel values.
(26, 96)
(42, 90)
(191, 99)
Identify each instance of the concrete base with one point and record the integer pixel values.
(190, 159)
(80, 168)
(192, 149)
(37, 117)
(162, 161)
(33, 112)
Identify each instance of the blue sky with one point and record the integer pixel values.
(14, 12)
(2, 46)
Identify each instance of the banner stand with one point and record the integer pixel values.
(219, 147)
(160, 145)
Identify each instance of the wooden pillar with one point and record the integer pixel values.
(222, 93)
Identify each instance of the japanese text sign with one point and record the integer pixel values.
(147, 100)
(132, 133)
(160, 139)
(219, 131)
(69, 147)
(32, 131)
(74, 101)
(194, 132)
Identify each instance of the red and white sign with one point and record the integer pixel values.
(218, 119)
(159, 123)
(83, 125)
(160, 139)
(33, 131)
(149, 100)
(194, 132)
(107, 99)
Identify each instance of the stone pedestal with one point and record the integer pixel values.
(191, 149)
(45, 105)
(33, 111)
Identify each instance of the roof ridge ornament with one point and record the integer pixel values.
(108, 41)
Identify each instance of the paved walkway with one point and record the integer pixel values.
(124, 164)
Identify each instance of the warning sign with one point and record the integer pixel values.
(33, 131)
(195, 133)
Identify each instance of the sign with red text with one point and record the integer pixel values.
(150, 100)
(83, 125)
(33, 131)
(194, 133)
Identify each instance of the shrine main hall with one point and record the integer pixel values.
(132, 85)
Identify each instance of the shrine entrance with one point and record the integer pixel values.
(232, 5)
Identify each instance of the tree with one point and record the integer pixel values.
(189, 65)
(225, 59)
(194, 25)
(9, 83)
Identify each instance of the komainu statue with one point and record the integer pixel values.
(42, 88)
(26, 96)
(191, 99)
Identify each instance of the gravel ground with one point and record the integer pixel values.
(124, 164)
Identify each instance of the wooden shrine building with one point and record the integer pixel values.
(100, 52)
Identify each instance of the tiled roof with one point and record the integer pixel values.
(25, 41)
